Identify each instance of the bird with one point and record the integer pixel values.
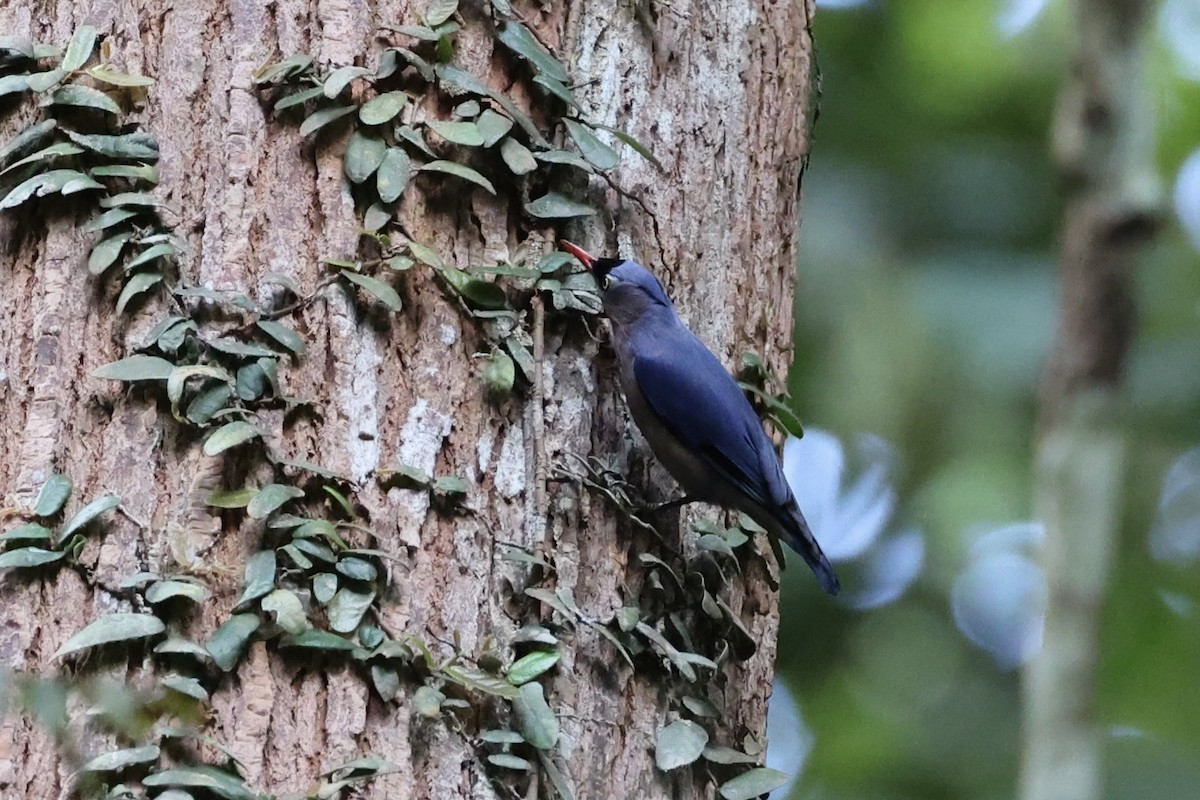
(697, 421)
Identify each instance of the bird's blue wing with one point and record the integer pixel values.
(700, 404)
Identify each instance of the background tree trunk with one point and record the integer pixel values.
(719, 91)
(1104, 143)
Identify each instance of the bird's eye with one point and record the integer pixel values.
(607, 282)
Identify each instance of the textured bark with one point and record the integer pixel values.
(1105, 145)
(719, 90)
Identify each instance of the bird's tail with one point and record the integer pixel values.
(795, 532)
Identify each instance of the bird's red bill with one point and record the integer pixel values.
(585, 258)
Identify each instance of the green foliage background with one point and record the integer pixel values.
(926, 304)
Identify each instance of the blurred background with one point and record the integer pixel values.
(926, 306)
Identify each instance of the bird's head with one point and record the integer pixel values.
(628, 289)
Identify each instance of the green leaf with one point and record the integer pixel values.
(260, 576)
(106, 253)
(216, 781)
(535, 720)
(727, 755)
(129, 199)
(27, 532)
(83, 183)
(459, 79)
(679, 744)
(185, 686)
(44, 81)
(414, 137)
(478, 680)
(493, 127)
(531, 665)
(233, 347)
(136, 368)
(509, 761)
(282, 70)
(150, 254)
(564, 157)
(340, 78)
(40, 185)
(80, 48)
(109, 218)
(315, 639)
(501, 737)
(161, 591)
(464, 133)
(319, 119)
(701, 707)
(282, 334)
(229, 641)
(346, 608)
(299, 98)
(427, 702)
(467, 110)
(438, 11)
(324, 585)
(422, 66)
(363, 156)
(134, 172)
(101, 505)
(426, 255)
(139, 283)
(106, 74)
(594, 150)
(230, 498)
(230, 435)
(358, 569)
(137, 146)
(118, 760)
(208, 403)
(500, 374)
(422, 32)
(252, 381)
(638, 147)
(112, 628)
(477, 293)
(556, 88)
(553, 774)
(25, 557)
(382, 108)
(180, 376)
(53, 495)
(58, 150)
(176, 645)
(517, 157)
(517, 38)
(285, 607)
(382, 291)
(81, 96)
(557, 206)
(28, 139)
(271, 497)
(466, 173)
(754, 783)
(393, 174)
(14, 84)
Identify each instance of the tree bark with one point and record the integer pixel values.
(1105, 146)
(721, 94)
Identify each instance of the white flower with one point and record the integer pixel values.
(849, 514)
(999, 600)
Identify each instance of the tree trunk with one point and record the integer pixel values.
(1105, 146)
(719, 92)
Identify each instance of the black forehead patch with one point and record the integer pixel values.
(602, 266)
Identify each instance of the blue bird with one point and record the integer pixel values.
(698, 422)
